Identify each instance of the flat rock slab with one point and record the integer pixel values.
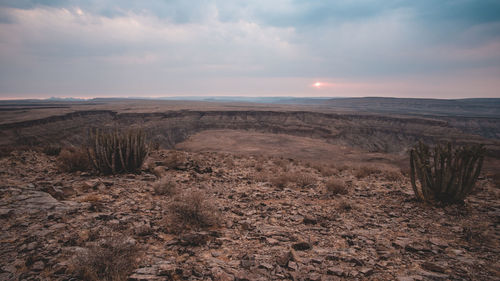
(32, 201)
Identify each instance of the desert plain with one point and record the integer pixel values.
(294, 189)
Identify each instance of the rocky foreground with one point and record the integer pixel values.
(264, 231)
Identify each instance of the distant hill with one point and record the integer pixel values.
(480, 107)
(473, 107)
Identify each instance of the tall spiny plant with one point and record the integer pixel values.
(117, 152)
(445, 173)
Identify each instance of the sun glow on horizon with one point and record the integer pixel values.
(321, 85)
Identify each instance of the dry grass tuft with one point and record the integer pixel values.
(51, 150)
(261, 177)
(304, 180)
(284, 164)
(478, 234)
(328, 171)
(342, 167)
(392, 175)
(344, 206)
(175, 160)
(324, 169)
(280, 180)
(112, 259)
(336, 186)
(259, 167)
(403, 165)
(191, 210)
(365, 171)
(73, 159)
(496, 179)
(165, 186)
(229, 162)
(91, 198)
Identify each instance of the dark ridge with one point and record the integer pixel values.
(300, 115)
(32, 108)
(31, 105)
(51, 119)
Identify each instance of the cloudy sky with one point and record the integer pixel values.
(97, 48)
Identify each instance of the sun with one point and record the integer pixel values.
(317, 84)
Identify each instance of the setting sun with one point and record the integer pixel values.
(317, 84)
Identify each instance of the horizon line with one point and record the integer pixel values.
(225, 97)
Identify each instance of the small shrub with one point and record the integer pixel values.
(165, 186)
(229, 162)
(404, 166)
(343, 167)
(344, 206)
(199, 164)
(478, 233)
(111, 259)
(261, 177)
(365, 171)
(328, 172)
(72, 160)
(155, 146)
(392, 175)
(283, 164)
(325, 169)
(336, 186)
(175, 160)
(117, 152)
(496, 179)
(92, 198)
(259, 167)
(304, 180)
(191, 209)
(445, 173)
(52, 150)
(280, 180)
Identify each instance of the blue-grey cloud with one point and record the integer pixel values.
(284, 13)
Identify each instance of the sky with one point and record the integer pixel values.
(308, 48)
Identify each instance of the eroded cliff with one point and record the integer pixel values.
(366, 131)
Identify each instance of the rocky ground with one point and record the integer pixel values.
(299, 231)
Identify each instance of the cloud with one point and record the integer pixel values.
(70, 43)
(201, 47)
